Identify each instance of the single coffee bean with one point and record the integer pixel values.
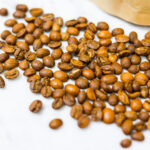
(22, 7)
(10, 63)
(82, 97)
(127, 126)
(46, 91)
(61, 75)
(3, 12)
(108, 115)
(35, 12)
(69, 99)
(35, 106)
(55, 123)
(83, 121)
(36, 86)
(137, 136)
(76, 111)
(82, 83)
(11, 74)
(57, 103)
(125, 143)
(2, 82)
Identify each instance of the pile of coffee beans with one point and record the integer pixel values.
(98, 93)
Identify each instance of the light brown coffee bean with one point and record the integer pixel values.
(11, 74)
(57, 103)
(76, 111)
(125, 143)
(137, 136)
(35, 106)
(55, 123)
(46, 91)
(83, 121)
(2, 82)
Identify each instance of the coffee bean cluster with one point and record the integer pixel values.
(93, 65)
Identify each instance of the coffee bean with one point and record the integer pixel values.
(69, 99)
(83, 121)
(55, 123)
(76, 111)
(36, 86)
(46, 91)
(57, 103)
(127, 126)
(2, 82)
(11, 74)
(36, 12)
(3, 12)
(125, 143)
(138, 136)
(35, 106)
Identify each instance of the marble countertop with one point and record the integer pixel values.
(23, 130)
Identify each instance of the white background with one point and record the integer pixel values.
(23, 130)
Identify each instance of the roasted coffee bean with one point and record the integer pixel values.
(11, 74)
(10, 63)
(127, 126)
(45, 81)
(37, 65)
(36, 86)
(69, 99)
(83, 121)
(113, 99)
(4, 34)
(19, 14)
(65, 66)
(35, 106)
(10, 22)
(72, 89)
(34, 78)
(46, 73)
(137, 136)
(24, 65)
(22, 7)
(55, 123)
(125, 143)
(2, 82)
(132, 115)
(76, 111)
(82, 97)
(141, 78)
(56, 84)
(29, 72)
(46, 91)
(117, 86)
(57, 103)
(119, 108)
(66, 57)
(108, 115)
(143, 115)
(1, 67)
(75, 73)
(120, 118)
(61, 75)
(3, 12)
(102, 26)
(36, 12)
(82, 83)
(146, 105)
(48, 61)
(96, 114)
(57, 53)
(117, 31)
(58, 93)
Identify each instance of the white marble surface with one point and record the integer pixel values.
(22, 130)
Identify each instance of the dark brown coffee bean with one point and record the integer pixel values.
(57, 103)
(55, 123)
(11, 74)
(2, 82)
(35, 106)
